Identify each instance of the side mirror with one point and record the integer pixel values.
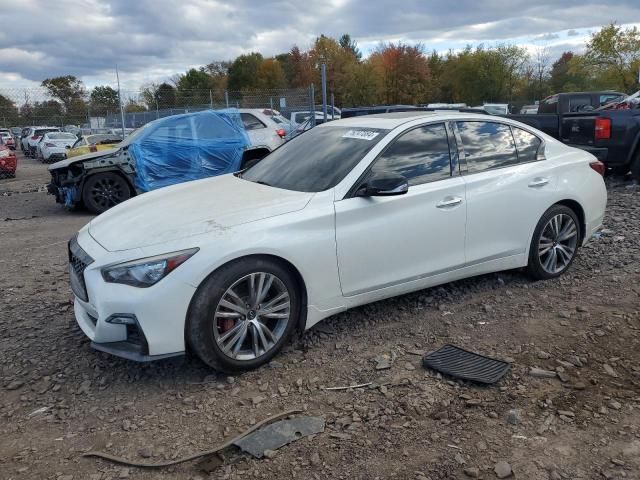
(68, 147)
(383, 185)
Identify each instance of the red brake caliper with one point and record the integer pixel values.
(226, 324)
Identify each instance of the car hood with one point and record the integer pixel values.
(192, 208)
(81, 158)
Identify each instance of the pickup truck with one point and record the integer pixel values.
(610, 133)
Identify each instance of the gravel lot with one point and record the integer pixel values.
(59, 398)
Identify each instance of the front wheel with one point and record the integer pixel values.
(243, 314)
(103, 191)
(554, 244)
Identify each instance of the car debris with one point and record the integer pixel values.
(279, 434)
(460, 363)
(188, 458)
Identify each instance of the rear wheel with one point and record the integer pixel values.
(104, 190)
(243, 314)
(554, 244)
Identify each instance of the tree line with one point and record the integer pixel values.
(394, 73)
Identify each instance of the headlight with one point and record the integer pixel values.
(146, 271)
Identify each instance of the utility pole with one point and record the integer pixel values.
(120, 100)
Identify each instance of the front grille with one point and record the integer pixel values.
(79, 260)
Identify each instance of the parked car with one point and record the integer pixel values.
(8, 160)
(33, 137)
(613, 136)
(163, 152)
(359, 111)
(7, 138)
(24, 136)
(351, 212)
(496, 108)
(266, 134)
(529, 109)
(93, 143)
(53, 146)
(16, 132)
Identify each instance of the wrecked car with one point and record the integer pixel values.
(164, 152)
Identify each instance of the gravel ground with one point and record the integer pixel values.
(59, 398)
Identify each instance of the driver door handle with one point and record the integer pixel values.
(448, 202)
(538, 182)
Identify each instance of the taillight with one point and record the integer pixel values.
(603, 128)
(598, 166)
(93, 148)
(35, 137)
(281, 132)
(48, 144)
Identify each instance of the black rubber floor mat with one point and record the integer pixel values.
(460, 363)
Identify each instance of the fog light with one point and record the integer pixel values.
(122, 319)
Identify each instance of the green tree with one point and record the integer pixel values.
(66, 88)
(243, 72)
(103, 99)
(134, 106)
(350, 45)
(218, 72)
(8, 112)
(615, 53)
(193, 88)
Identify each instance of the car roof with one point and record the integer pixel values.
(395, 119)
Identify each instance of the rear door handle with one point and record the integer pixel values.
(538, 182)
(448, 202)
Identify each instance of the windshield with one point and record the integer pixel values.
(61, 136)
(316, 160)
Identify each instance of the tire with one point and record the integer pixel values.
(555, 243)
(210, 319)
(102, 191)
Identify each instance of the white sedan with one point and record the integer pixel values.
(53, 146)
(350, 212)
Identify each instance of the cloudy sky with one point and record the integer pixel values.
(151, 40)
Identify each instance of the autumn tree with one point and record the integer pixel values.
(339, 63)
(271, 75)
(403, 73)
(301, 68)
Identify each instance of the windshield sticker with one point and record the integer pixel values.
(361, 134)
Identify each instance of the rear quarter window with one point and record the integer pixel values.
(487, 145)
(527, 145)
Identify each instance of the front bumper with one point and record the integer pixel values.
(160, 311)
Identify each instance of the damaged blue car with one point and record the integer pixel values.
(164, 152)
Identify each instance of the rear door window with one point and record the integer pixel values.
(421, 155)
(251, 122)
(487, 145)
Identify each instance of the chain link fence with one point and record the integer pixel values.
(100, 108)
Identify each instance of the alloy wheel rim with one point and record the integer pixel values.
(107, 193)
(252, 316)
(558, 243)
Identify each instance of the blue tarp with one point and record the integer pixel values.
(188, 147)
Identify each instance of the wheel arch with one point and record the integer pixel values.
(264, 256)
(579, 211)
